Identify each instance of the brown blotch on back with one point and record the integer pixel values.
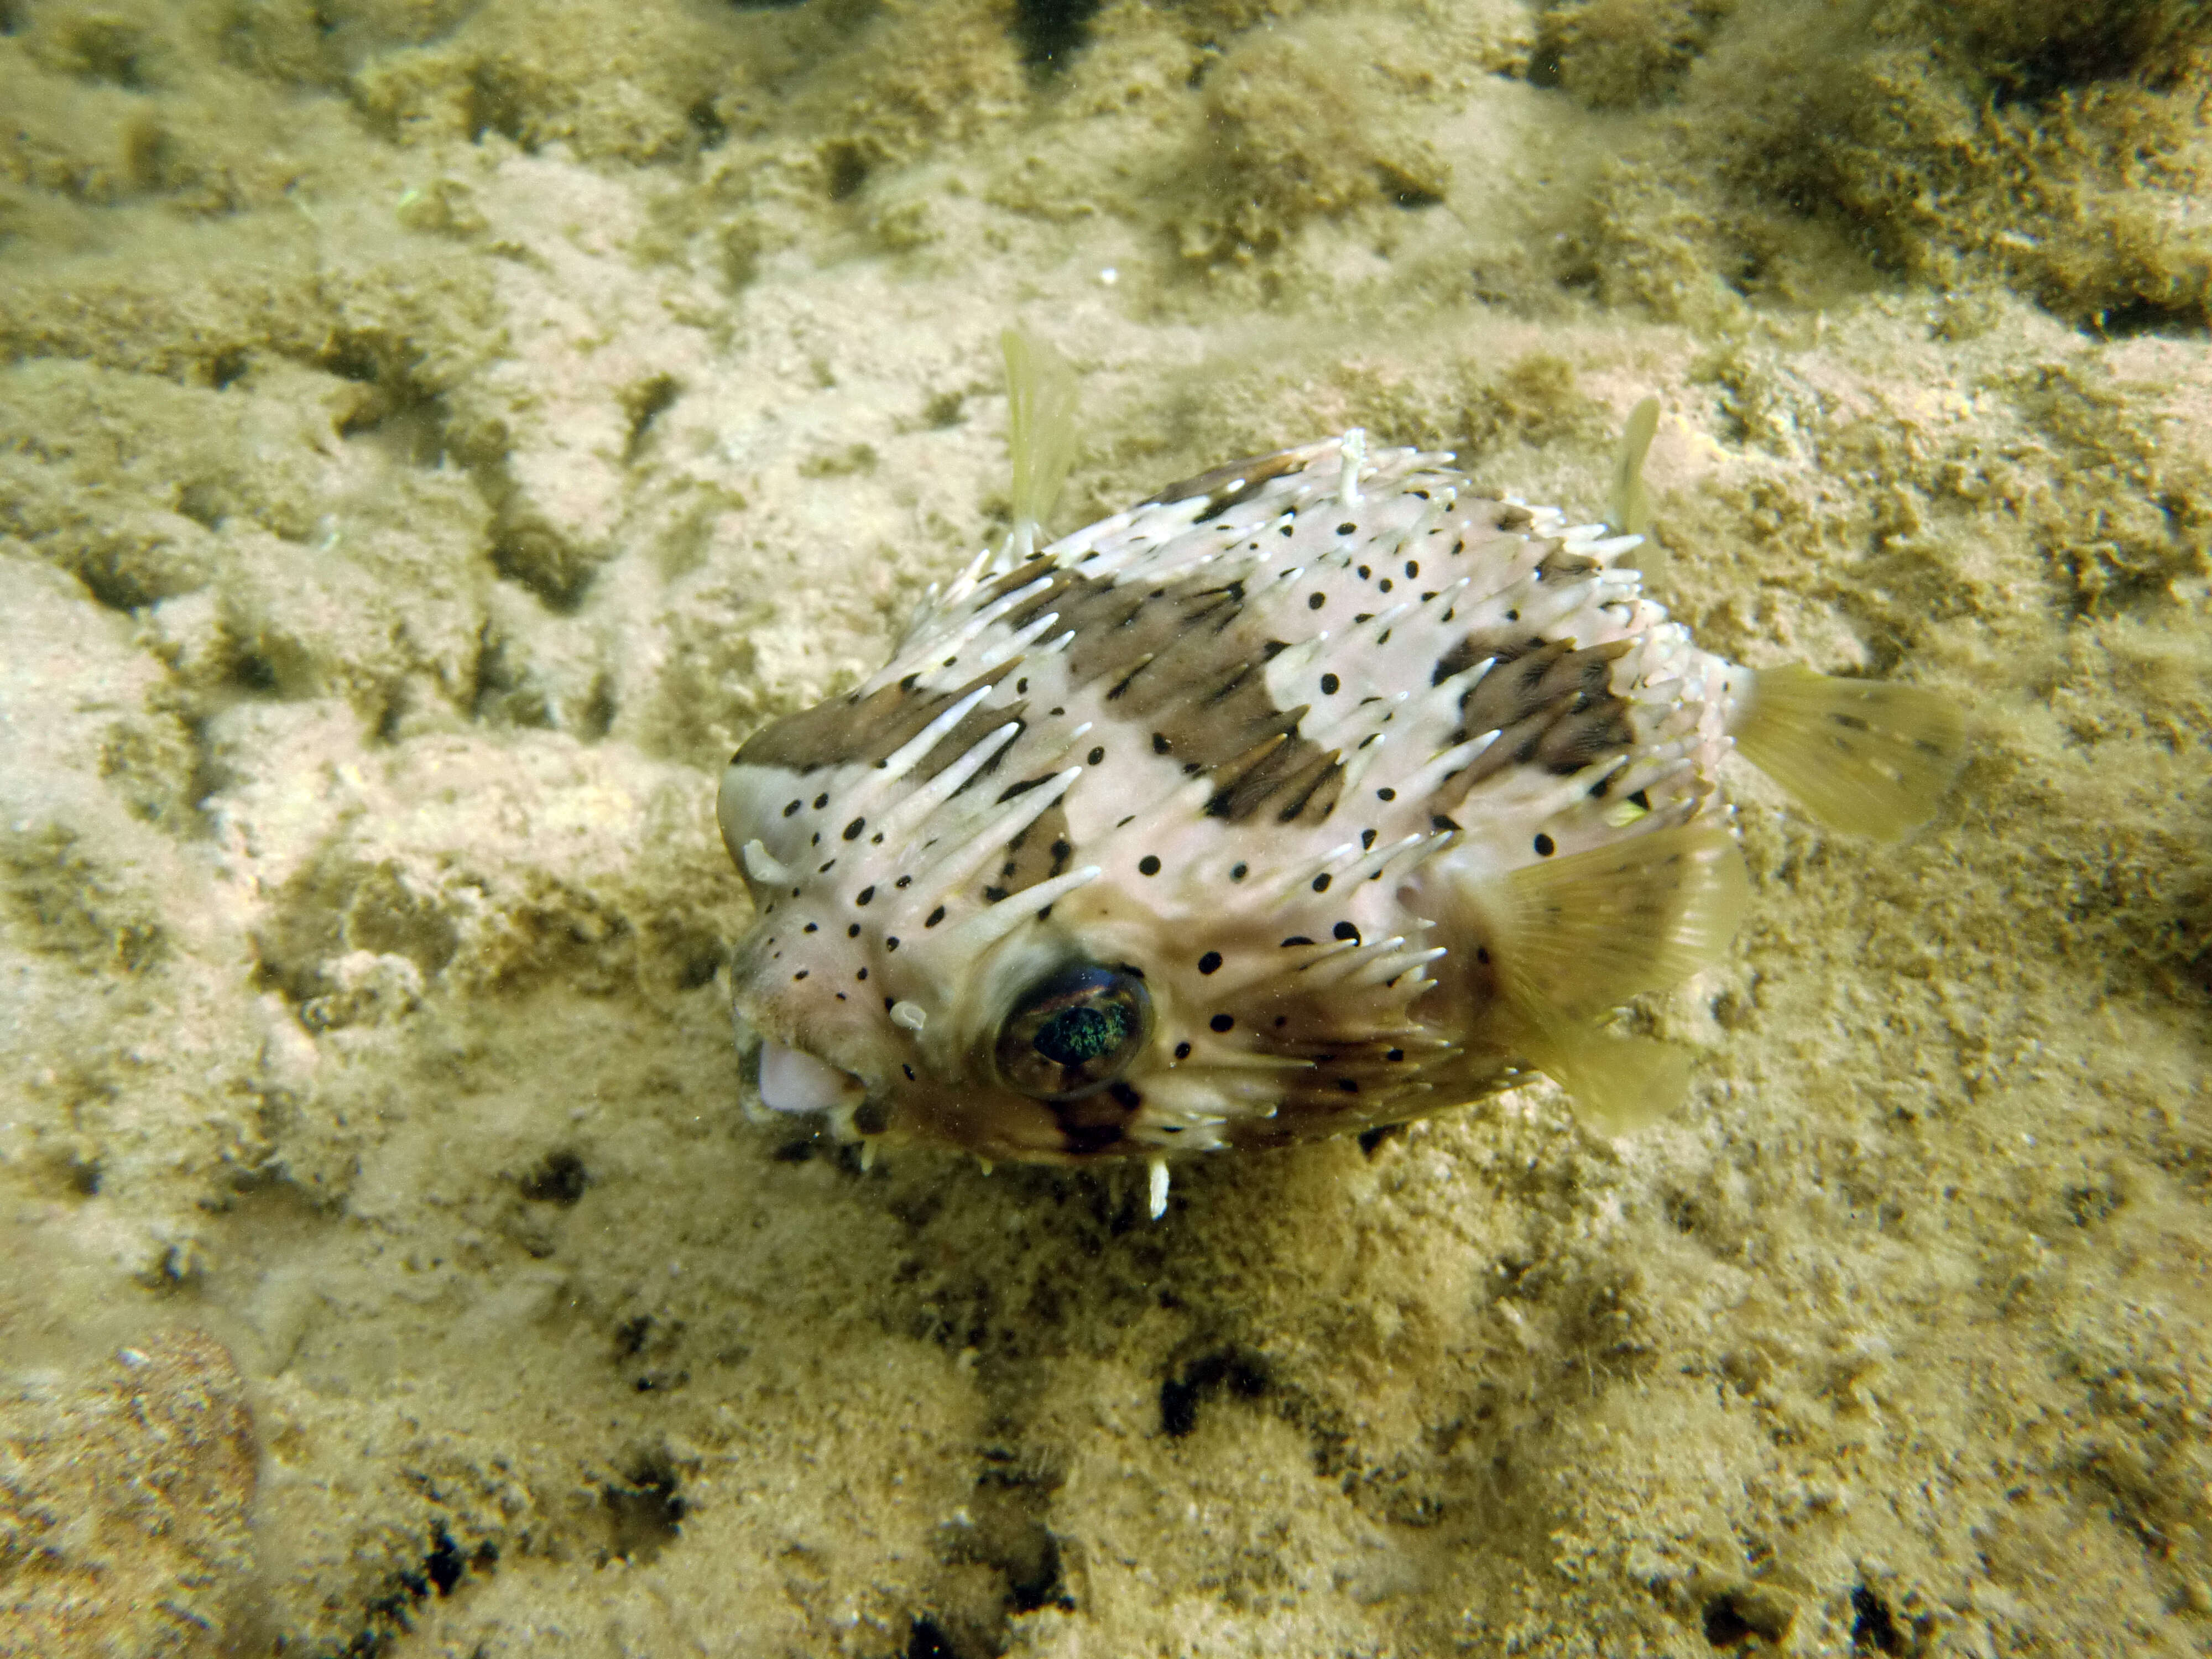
(857, 730)
(1232, 485)
(1183, 664)
(1551, 705)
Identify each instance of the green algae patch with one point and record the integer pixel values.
(2056, 154)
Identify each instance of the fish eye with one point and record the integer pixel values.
(1074, 1031)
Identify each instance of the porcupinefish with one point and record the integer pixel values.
(1313, 793)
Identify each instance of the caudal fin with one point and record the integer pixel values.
(1861, 756)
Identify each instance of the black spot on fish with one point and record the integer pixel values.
(1346, 930)
(1149, 864)
(1546, 847)
(1329, 683)
(1210, 961)
(1223, 1022)
(853, 829)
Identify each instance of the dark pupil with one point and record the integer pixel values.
(1075, 1036)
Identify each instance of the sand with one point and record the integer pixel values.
(434, 432)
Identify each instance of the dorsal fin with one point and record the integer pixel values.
(1629, 512)
(1041, 431)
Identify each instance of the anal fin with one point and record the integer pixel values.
(1860, 756)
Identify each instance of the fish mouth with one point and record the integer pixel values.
(794, 1081)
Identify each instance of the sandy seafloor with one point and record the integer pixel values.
(434, 432)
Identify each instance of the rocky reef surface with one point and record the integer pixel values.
(433, 432)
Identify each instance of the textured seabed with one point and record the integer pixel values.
(433, 433)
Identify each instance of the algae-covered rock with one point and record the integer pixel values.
(126, 1506)
(433, 435)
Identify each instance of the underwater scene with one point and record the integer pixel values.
(1422, 1087)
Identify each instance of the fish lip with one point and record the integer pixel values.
(791, 1082)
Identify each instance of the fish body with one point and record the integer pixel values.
(1315, 794)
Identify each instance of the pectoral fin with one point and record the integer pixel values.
(1860, 756)
(1583, 934)
(1618, 1084)
(1573, 938)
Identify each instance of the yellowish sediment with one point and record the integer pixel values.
(432, 436)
